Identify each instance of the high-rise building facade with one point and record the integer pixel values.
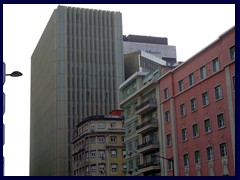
(98, 148)
(76, 70)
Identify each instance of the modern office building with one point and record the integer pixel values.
(157, 46)
(98, 148)
(197, 102)
(76, 69)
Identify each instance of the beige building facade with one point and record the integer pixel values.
(98, 148)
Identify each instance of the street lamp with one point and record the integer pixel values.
(14, 74)
(169, 160)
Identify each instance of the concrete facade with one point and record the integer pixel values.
(76, 70)
(98, 148)
(143, 129)
(156, 46)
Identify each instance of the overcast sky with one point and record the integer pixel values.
(188, 27)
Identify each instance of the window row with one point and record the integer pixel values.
(98, 139)
(101, 168)
(205, 101)
(209, 154)
(207, 127)
(100, 154)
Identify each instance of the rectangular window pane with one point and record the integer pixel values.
(209, 153)
(182, 110)
(195, 130)
(207, 126)
(184, 134)
(197, 156)
(232, 53)
(216, 65)
(191, 79)
(205, 99)
(165, 93)
(203, 72)
(218, 92)
(167, 116)
(185, 160)
(180, 85)
(193, 104)
(220, 119)
(223, 150)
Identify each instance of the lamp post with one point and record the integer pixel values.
(169, 159)
(13, 74)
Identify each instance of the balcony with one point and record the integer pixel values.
(149, 125)
(146, 106)
(149, 166)
(148, 146)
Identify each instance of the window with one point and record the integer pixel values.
(93, 154)
(169, 140)
(101, 153)
(114, 167)
(184, 134)
(167, 116)
(123, 139)
(193, 104)
(218, 92)
(92, 139)
(165, 93)
(124, 152)
(197, 156)
(232, 53)
(101, 139)
(113, 153)
(195, 130)
(180, 85)
(223, 150)
(205, 99)
(203, 72)
(124, 167)
(216, 65)
(86, 155)
(185, 160)
(101, 168)
(220, 121)
(113, 139)
(170, 165)
(101, 125)
(191, 79)
(209, 153)
(207, 126)
(93, 168)
(182, 110)
(92, 126)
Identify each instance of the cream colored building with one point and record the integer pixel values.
(98, 148)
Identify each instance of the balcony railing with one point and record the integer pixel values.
(148, 164)
(151, 142)
(150, 121)
(149, 101)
